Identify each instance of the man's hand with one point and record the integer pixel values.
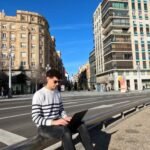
(62, 122)
(68, 119)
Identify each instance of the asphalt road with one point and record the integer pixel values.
(15, 116)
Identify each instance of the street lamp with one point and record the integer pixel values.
(139, 76)
(10, 63)
(47, 67)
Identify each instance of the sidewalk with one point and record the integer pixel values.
(132, 133)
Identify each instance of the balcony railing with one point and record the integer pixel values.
(115, 25)
(117, 33)
(119, 65)
(117, 40)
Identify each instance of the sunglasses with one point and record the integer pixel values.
(56, 81)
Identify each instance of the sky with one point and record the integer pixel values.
(70, 21)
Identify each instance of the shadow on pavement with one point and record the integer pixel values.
(100, 139)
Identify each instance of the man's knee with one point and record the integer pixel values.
(67, 132)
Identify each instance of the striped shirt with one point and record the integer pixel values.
(47, 106)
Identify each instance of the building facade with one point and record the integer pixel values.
(92, 70)
(27, 40)
(122, 44)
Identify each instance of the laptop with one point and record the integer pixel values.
(77, 120)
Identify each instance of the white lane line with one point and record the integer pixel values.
(14, 116)
(109, 105)
(17, 107)
(14, 99)
(9, 138)
(14, 107)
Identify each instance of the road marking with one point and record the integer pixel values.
(9, 138)
(14, 107)
(15, 116)
(17, 107)
(109, 105)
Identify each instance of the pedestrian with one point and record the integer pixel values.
(50, 117)
(2, 92)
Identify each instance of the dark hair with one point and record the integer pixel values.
(53, 73)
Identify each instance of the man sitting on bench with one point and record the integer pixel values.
(51, 119)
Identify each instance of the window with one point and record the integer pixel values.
(23, 63)
(139, 6)
(33, 64)
(33, 46)
(23, 27)
(148, 45)
(33, 55)
(149, 55)
(12, 26)
(23, 18)
(23, 54)
(32, 29)
(143, 47)
(135, 30)
(4, 26)
(3, 36)
(133, 5)
(136, 47)
(144, 64)
(4, 55)
(12, 36)
(147, 31)
(127, 56)
(3, 63)
(4, 46)
(23, 45)
(23, 35)
(33, 37)
(137, 55)
(141, 31)
(146, 16)
(145, 6)
(143, 56)
(33, 18)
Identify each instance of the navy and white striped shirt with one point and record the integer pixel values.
(47, 106)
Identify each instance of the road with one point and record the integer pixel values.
(15, 115)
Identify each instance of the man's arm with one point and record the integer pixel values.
(37, 115)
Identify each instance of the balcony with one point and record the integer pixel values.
(113, 13)
(115, 25)
(117, 48)
(119, 65)
(115, 5)
(127, 56)
(116, 39)
(119, 32)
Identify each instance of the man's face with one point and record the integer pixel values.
(52, 82)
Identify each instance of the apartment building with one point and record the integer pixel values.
(27, 36)
(122, 44)
(92, 69)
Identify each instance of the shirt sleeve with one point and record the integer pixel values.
(37, 116)
(62, 111)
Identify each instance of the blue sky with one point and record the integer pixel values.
(70, 22)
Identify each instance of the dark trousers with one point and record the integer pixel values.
(65, 134)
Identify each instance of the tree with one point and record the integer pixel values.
(37, 78)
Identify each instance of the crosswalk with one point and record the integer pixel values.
(9, 138)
